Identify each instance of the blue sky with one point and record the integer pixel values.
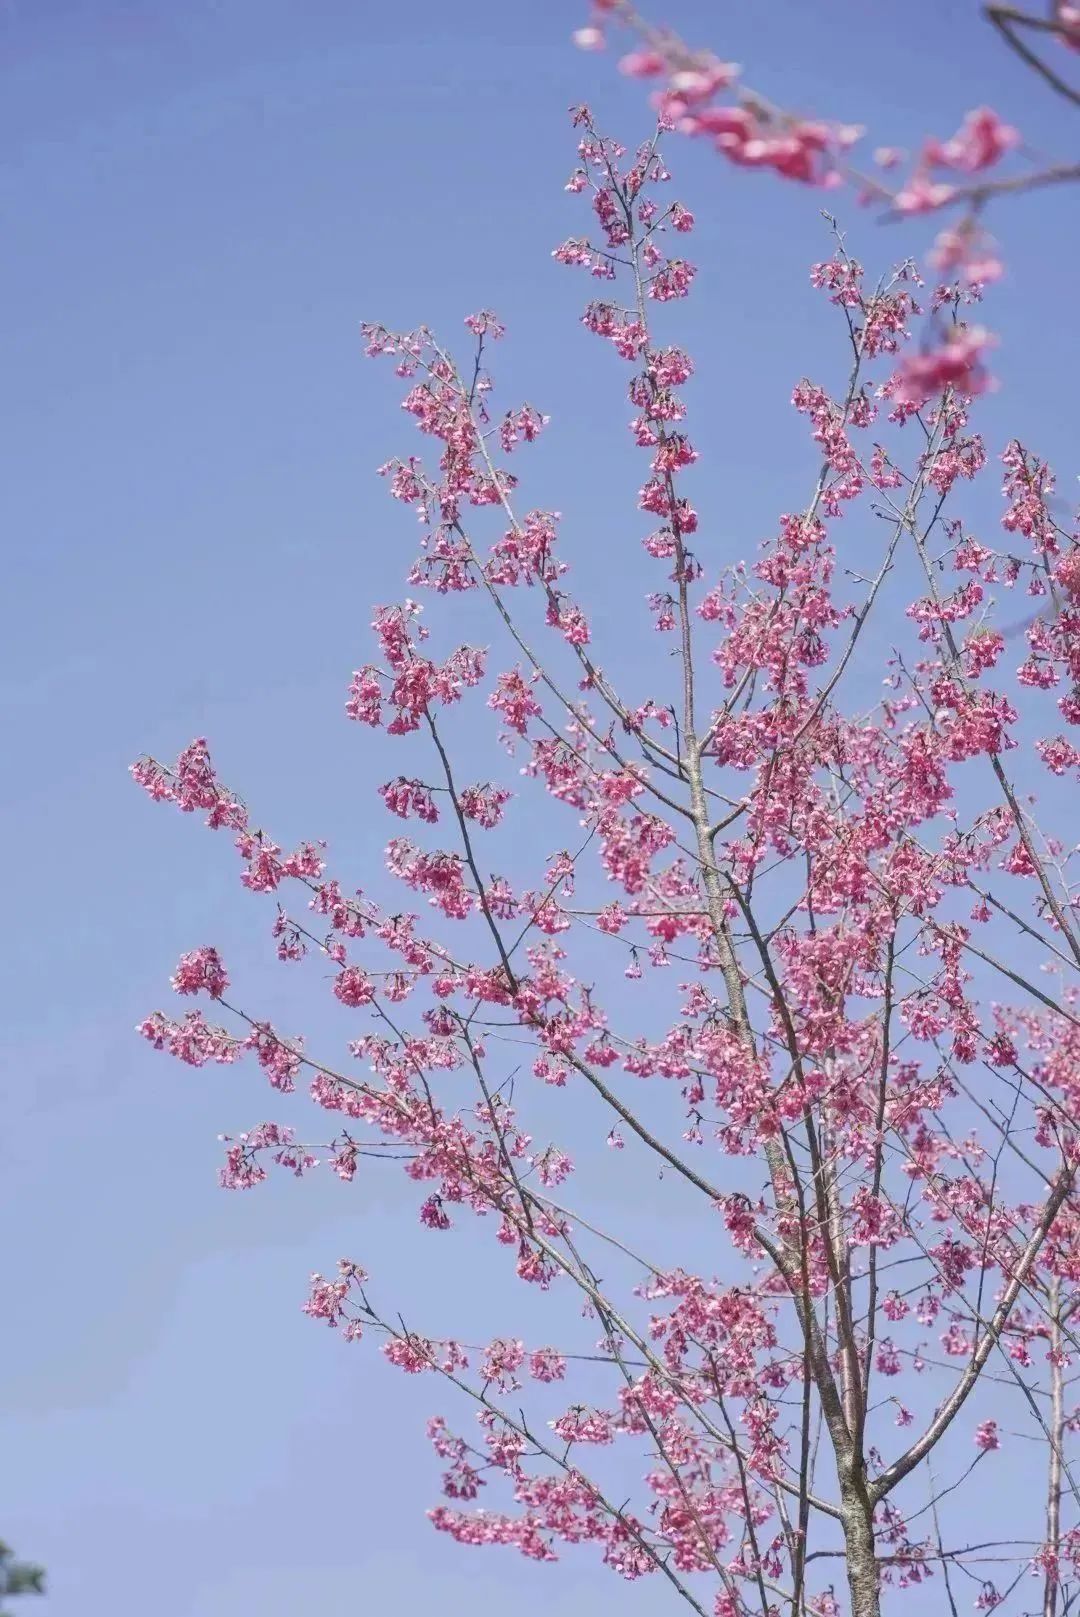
(203, 201)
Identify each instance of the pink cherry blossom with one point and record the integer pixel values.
(986, 1436)
(201, 971)
(956, 363)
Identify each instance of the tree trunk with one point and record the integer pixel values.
(1057, 1439)
(862, 1569)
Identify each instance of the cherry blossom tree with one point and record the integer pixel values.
(810, 957)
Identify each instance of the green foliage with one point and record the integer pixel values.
(18, 1577)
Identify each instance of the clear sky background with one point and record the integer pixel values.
(201, 202)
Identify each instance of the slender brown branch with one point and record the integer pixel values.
(1007, 20)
